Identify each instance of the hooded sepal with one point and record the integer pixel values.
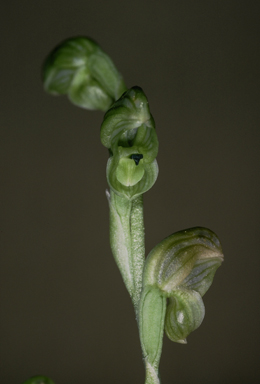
(179, 259)
(202, 274)
(128, 126)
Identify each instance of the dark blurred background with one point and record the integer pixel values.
(64, 310)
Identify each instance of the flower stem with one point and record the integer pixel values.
(137, 247)
(127, 244)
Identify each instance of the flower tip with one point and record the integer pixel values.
(183, 341)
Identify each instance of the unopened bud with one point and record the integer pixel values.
(79, 68)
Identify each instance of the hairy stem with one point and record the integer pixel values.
(137, 247)
(127, 242)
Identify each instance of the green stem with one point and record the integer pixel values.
(127, 242)
(137, 247)
(151, 374)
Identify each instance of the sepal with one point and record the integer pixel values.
(151, 323)
(79, 68)
(128, 126)
(181, 259)
(202, 274)
(185, 312)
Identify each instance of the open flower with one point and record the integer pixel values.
(128, 131)
(177, 273)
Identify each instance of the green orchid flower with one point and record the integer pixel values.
(177, 273)
(128, 131)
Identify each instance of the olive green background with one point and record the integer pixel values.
(64, 311)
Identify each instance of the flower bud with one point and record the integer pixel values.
(79, 68)
(128, 131)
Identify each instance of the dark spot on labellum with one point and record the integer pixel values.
(136, 157)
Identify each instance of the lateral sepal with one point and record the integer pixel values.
(185, 312)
